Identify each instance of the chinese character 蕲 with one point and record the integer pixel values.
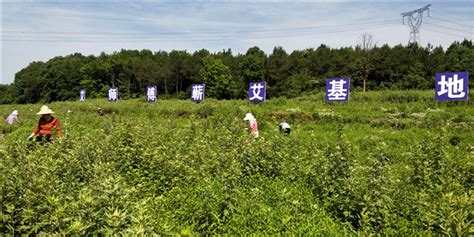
(197, 94)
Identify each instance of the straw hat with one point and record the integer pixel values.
(15, 112)
(45, 110)
(249, 116)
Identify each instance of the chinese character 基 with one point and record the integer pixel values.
(337, 89)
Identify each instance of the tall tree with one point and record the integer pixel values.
(367, 43)
(276, 71)
(30, 82)
(217, 78)
(253, 65)
(164, 71)
(95, 75)
(180, 68)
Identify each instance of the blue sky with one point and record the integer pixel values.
(40, 30)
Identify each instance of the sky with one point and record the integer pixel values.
(40, 30)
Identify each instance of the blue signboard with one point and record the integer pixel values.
(337, 89)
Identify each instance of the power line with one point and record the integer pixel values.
(208, 32)
(449, 28)
(216, 38)
(199, 35)
(452, 22)
(446, 33)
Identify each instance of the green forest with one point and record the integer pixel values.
(226, 75)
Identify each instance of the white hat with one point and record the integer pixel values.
(15, 112)
(249, 116)
(45, 110)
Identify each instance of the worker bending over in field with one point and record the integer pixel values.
(253, 127)
(284, 127)
(100, 112)
(44, 130)
(12, 117)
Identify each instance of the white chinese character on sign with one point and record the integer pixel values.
(337, 91)
(454, 86)
(82, 95)
(256, 88)
(151, 94)
(197, 93)
(113, 94)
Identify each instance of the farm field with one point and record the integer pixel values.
(387, 162)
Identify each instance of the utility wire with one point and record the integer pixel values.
(216, 38)
(209, 32)
(449, 28)
(446, 33)
(200, 35)
(452, 22)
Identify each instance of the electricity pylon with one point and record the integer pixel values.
(415, 18)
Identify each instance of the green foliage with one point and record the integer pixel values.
(252, 65)
(297, 84)
(387, 163)
(8, 94)
(276, 71)
(290, 75)
(217, 78)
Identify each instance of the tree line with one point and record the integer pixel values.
(227, 75)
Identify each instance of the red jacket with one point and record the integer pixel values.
(45, 127)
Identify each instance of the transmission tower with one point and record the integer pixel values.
(415, 18)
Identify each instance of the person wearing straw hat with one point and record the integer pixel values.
(44, 130)
(12, 117)
(253, 127)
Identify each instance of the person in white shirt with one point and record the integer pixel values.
(13, 117)
(253, 127)
(284, 127)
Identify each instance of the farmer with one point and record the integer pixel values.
(252, 124)
(284, 127)
(12, 117)
(44, 130)
(100, 112)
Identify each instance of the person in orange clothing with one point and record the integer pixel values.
(44, 130)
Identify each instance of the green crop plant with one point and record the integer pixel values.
(385, 163)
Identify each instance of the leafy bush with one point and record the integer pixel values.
(379, 165)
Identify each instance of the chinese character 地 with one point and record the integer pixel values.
(256, 89)
(453, 86)
(197, 93)
(337, 91)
